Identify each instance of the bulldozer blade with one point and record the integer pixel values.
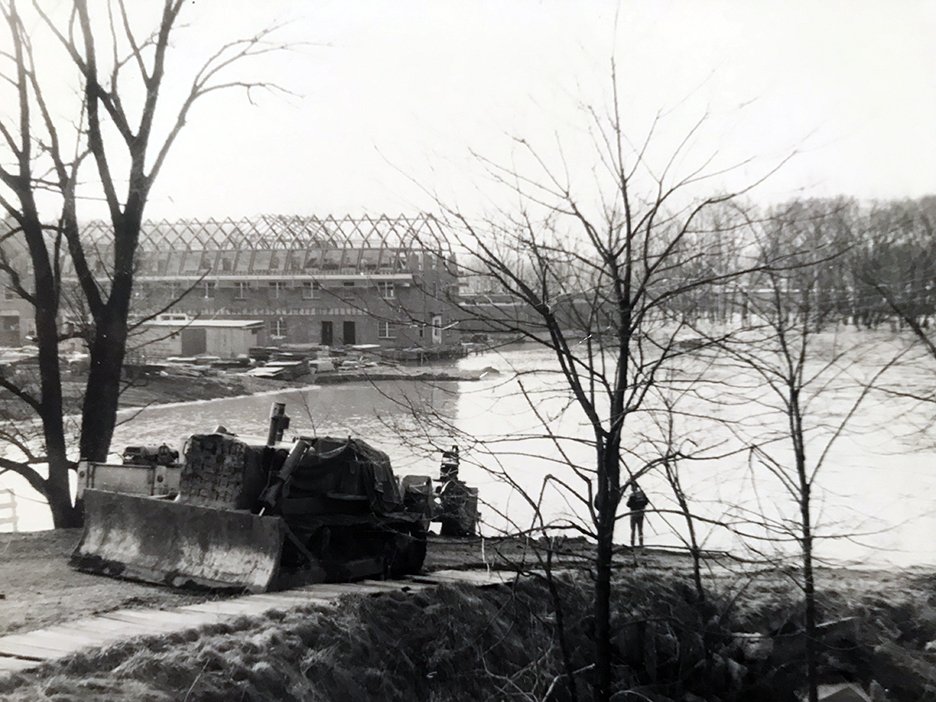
(178, 544)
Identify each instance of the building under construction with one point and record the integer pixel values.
(368, 280)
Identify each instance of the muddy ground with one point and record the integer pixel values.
(38, 588)
(883, 631)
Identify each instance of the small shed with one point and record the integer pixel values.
(181, 336)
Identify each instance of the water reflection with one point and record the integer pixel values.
(876, 484)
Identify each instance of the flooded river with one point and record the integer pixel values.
(874, 492)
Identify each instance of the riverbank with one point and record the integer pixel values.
(743, 643)
(155, 390)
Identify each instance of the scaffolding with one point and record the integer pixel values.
(274, 245)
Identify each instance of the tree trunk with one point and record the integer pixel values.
(608, 498)
(559, 611)
(102, 393)
(602, 610)
(51, 404)
(65, 515)
(694, 550)
(809, 593)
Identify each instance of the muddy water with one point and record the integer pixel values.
(873, 493)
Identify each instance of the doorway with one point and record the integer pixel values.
(194, 341)
(328, 333)
(349, 333)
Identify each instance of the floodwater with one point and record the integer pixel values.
(872, 494)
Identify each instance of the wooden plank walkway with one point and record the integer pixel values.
(25, 650)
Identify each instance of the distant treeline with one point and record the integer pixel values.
(836, 260)
(833, 261)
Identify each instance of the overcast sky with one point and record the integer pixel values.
(393, 92)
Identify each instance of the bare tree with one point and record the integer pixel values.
(897, 267)
(600, 277)
(802, 370)
(107, 145)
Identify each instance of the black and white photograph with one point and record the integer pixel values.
(532, 350)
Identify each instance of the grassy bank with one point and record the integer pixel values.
(504, 643)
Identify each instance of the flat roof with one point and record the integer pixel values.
(206, 323)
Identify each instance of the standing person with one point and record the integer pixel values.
(637, 503)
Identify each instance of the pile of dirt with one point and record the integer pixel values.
(879, 637)
(500, 643)
(452, 643)
(744, 642)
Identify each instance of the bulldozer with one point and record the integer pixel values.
(254, 515)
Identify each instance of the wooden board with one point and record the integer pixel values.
(235, 608)
(101, 625)
(15, 665)
(162, 617)
(225, 610)
(89, 638)
(30, 650)
(50, 648)
(361, 589)
(279, 601)
(394, 585)
(24, 650)
(478, 578)
(287, 596)
(335, 590)
(149, 622)
(64, 638)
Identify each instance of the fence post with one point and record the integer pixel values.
(8, 508)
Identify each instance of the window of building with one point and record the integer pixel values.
(174, 291)
(208, 259)
(310, 290)
(385, 330)
(347, 290)
(242, 287)
(386, 289)
(279, 327)
(278, 287)
(278, 261)
(174, 264)
(331, 261)
(191, 262)
(161, 262)
(370, 259)
(242, 262)
(226, 261)
(351, 260)
(210, 289)
(261, 262)
(8, 293)
(296, 257)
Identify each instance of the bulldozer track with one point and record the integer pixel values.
(24, 651)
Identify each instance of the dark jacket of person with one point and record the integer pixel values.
(637, 501)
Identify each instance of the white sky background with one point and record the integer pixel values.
(389, 91)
